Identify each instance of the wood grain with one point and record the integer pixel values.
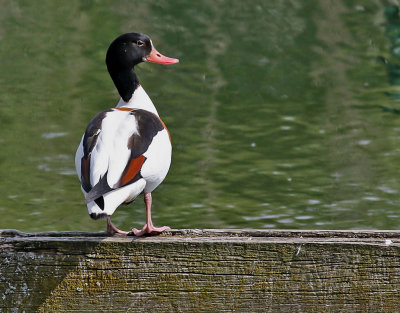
(201, 271)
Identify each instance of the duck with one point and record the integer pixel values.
(126, 150)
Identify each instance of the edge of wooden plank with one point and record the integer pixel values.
(221, 233)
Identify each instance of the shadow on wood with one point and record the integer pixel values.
(200, 271)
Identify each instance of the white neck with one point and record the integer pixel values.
(139, 100)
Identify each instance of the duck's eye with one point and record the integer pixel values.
(140, 43)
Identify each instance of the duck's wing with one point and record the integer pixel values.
(113, 149)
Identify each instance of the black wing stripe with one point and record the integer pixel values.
(148, 125)
(99, 189)
(89, 142)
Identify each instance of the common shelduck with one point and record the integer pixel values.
(125, 150)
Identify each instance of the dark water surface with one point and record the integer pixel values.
(283, 114)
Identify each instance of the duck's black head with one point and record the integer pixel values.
(128, 50)
(124, 53)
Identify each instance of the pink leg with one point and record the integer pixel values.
(111, 229)
(149, 228)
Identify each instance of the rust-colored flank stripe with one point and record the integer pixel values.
(133, 168)
(124, 109)
(85, 169)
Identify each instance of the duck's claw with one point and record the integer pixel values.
(149, 230)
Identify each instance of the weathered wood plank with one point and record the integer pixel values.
(200, 271)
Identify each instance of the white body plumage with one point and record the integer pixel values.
(125, 150)
(112, 152)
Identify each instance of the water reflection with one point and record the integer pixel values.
(273, 111)
(392, 31)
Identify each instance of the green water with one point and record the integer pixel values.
(275, 111)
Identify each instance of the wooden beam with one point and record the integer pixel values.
(201, 271)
